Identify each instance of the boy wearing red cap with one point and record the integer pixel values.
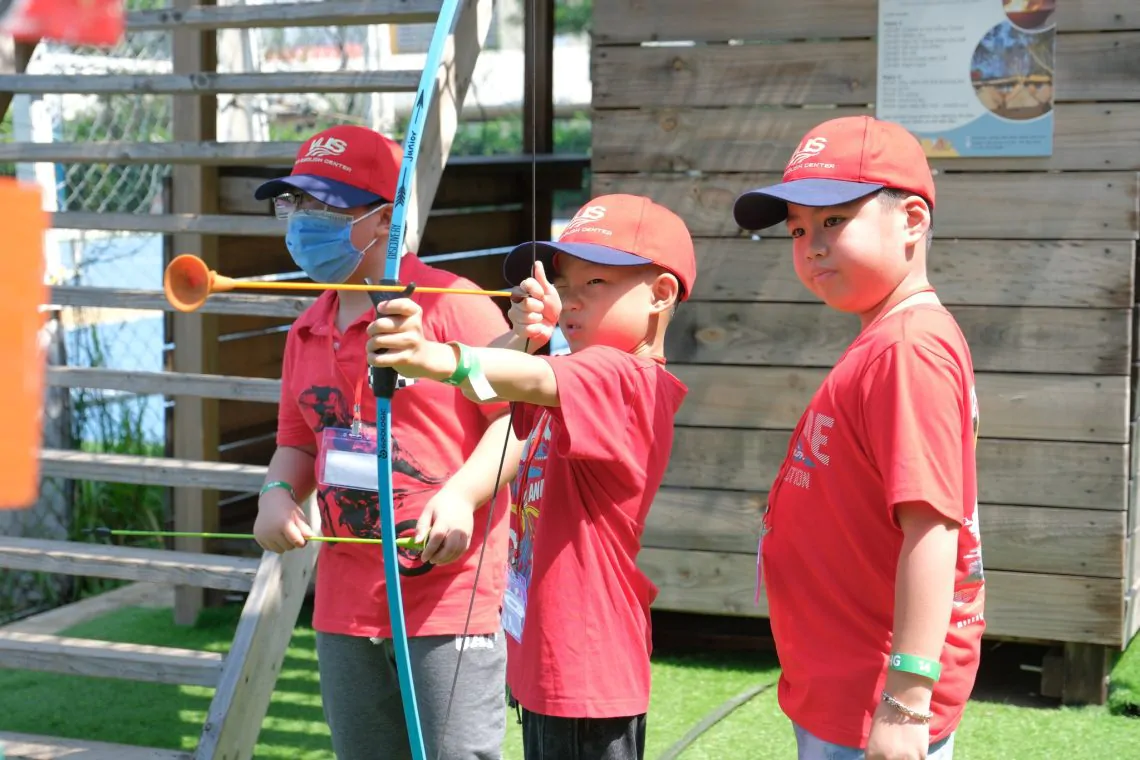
(445, 450)
(598, 424)
(870, 551)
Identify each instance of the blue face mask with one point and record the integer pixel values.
(320, 243)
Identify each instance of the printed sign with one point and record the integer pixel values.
(969, 77)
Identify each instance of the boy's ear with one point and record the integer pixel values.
(917, 218)
(666, 291)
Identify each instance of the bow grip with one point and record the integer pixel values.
(384, 379)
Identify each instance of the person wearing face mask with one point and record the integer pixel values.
(445, 456)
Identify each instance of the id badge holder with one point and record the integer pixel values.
(348, 459)
(514, 605)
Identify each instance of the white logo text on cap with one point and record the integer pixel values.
(326, 146)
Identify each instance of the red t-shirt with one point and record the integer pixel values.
(587, 478)
(434, 431)
(895, 421)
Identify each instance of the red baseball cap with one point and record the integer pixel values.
(837, 162)
(344, 166)
(615, 230)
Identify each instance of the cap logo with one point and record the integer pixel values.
(810, 147)
(326, 146)
(581, 222)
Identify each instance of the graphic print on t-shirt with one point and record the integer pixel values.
(810, 450)
(359, 510)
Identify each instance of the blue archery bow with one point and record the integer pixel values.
(384, 379)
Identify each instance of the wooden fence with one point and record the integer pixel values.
(1034, 256)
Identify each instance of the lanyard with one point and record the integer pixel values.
(524, 479)
(357, 423)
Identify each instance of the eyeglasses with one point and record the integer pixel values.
(286, 204)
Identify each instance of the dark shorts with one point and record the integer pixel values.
(548, 738)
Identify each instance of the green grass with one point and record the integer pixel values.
(686, 688)
(1124, 697)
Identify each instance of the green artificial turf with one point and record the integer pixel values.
(685, 689)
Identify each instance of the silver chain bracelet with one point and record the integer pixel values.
(908, 712)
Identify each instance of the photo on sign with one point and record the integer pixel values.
(1030, 15)
(1012, 72)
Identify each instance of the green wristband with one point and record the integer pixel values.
(463, 364)
(920, 666)
(278, 484)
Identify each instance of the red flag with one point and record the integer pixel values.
(75, 22)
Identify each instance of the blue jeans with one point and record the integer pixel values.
(813, 748)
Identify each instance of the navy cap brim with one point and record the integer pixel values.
(766, 206)
(334, 193)
(517, 265)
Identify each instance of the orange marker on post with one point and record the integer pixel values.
(22, 292)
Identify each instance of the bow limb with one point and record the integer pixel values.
(384, 380)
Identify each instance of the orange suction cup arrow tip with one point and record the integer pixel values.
(188, 282)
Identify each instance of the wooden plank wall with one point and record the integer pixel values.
(1035, 257)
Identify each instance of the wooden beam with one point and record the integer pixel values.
(1079, 609)
(1028, 339)
(195, 336)
(185, 474)
(329, 13)
(1053, 407)
(127, 563)
(457, 64)
(1022, 205)
(205, 82)
(30, 747)
(288, 307)
(1059, 541)
(1059, 273)
(1100, 67)
(205, 153)
(467, 181)
(254, 660)
(193, 223)
(632, 21)
(107, 659)
(167, 383)
(1087, 137)
(1030, 473)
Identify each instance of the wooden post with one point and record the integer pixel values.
(253, 662)
(1086, 670)
(194, 191)
(14, 58)
(538, 107)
